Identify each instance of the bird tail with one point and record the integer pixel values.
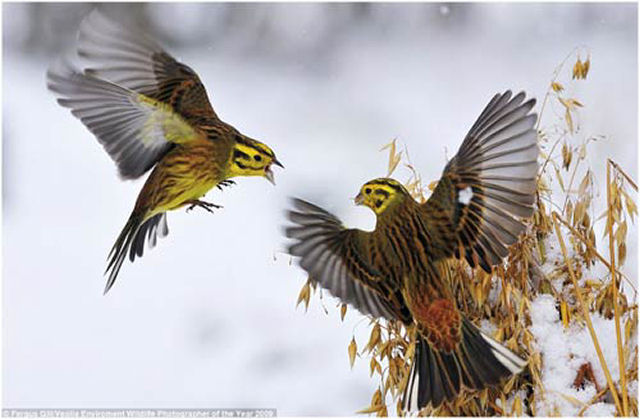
(478, 362)
(131, 240)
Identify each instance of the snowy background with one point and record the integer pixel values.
(208, 318)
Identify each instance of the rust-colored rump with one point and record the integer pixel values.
(439, 321)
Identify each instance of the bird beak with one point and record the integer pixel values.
(268, 174)
(359, 199)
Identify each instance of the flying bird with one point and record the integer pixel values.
(151, 112)
(394, 272)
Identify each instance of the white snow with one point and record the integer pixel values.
(563, 352)
(465, 195)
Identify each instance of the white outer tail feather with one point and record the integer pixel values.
(511, 361)
(508, 359)
(414, 385)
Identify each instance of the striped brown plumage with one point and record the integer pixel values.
(150, 111)
(395, 271)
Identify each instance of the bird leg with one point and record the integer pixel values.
(202, 204)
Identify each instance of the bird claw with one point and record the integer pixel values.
(203, 204)
(227, 182)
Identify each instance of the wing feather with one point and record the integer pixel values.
(489, 182)
(130, 59)
(134, 129)
(332, 256)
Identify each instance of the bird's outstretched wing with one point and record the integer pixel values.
(136, 62)
(491, 180)
(333, 257)
(134, 129)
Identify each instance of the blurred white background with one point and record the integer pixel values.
(208, 318)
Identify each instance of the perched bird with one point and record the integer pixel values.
(150, 111)
(394, 272)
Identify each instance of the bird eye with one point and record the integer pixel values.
(367, 190)
(257, 157)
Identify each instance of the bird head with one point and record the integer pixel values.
(381, 194)
(252, 158)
